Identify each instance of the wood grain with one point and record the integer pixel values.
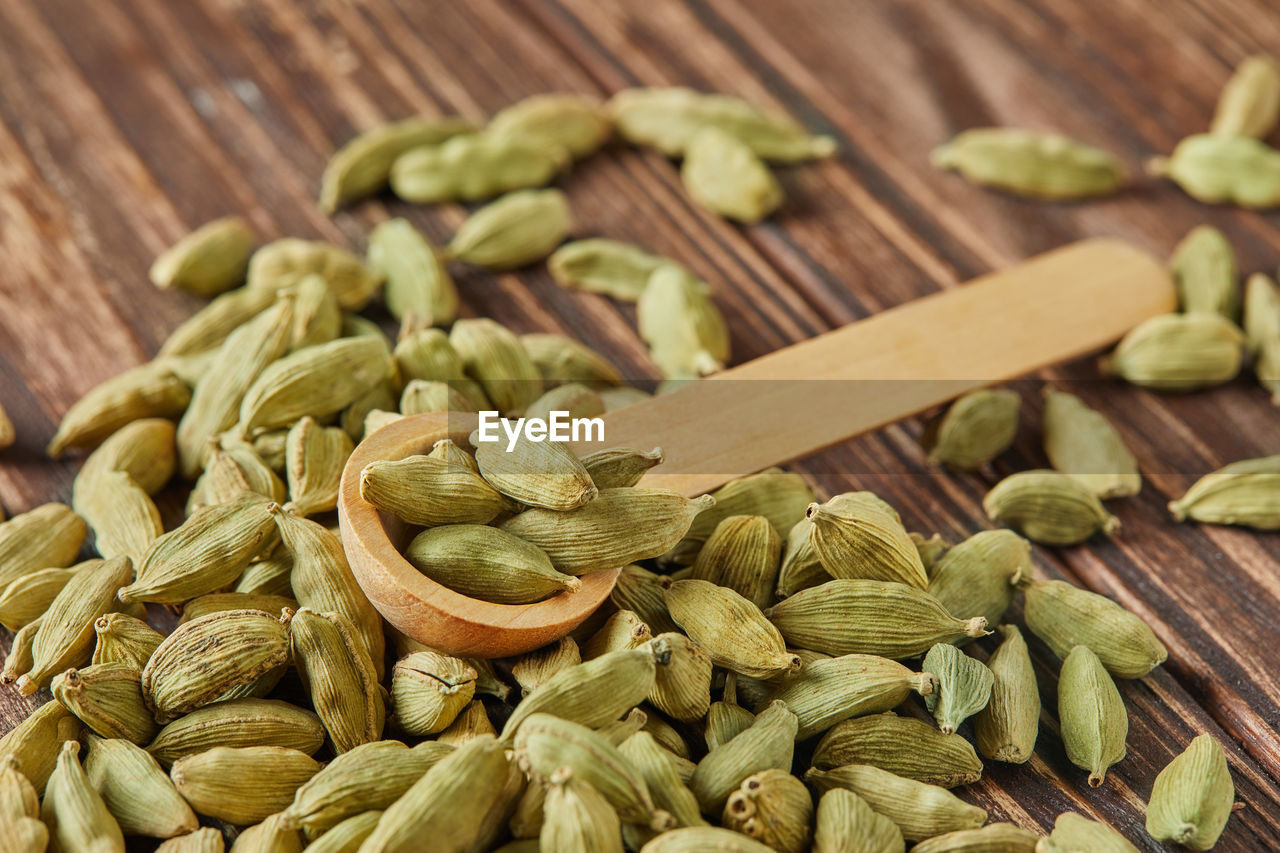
(123, 123)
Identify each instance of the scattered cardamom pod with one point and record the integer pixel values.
(846, 824)
(621, 630)
(336, 670)
(210, 260)
(1243, 493)
(1007, 728)
(992, 838)
(77, 817)
(856, 535)
(963, 686)
(1203, 265)
(139, 795)
(1192, 797)
(920, 810)
(494, 357)
(1030, 163)
(416, 279)
(429, 690)
(725, 175)
(1250, 101)
(696, 839)
(780, 496)
(1262, 331)
(686, 333)
(239, 722)
(1048, 507)
(1073, 833)
(768, 743)
(48, 536)
(572, 398)
(1091, 713)
(535, 668)
(682, 688)
(828, 691)
(518, 229)
(282, 263)
(269, 836)
(314, 458)
(20, 828)
(577, 818)
(774, 808)
(743, 554)
(981, 574)
(946, 760)
(124, 639)
(560, 359)
(1082, 443)
(431, 491)
(1065, 616)
(34, 742)
(242, 785)
(655, 766)
(475, 166)
(620, 467)
(733, 631)
(205, 330)
(26, 598)
(973, 430)
(151, 390)
(573, 122)
(601, 265)
(1223, 170)
(206, 840)
(108, 699)
(800, 567)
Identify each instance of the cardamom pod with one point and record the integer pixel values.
(619, 527)
(1203, 266)
(667, 118)
(601, 265)
(282, 263)
(726, 719)
(269, 836)
(205, 330)
(622, 630)
(429, 690)
(769, 743)
(1262, 331)
(48, 536)
(542, 474)
(314, 458)
(421, 397)
(227, 655)
(336, 670)
(206, 840)
(856, 535)
(65, 637)
(494, 357)
(475, 166)
(743, 554)
(1048, 507)
(230, 470)
(1250, 102)
(108, 699)
(124, 519)
(518, 229)
(981, 574)
(642, 592)
(572, 122)
(686, 333)
(416, 279)
(20, 828)
(1192, 797)
(1243, 493)
(487, 563)
(774, 808)
(139, 795)
(963, 686)
(151, 390)
(377, 399)
(317, 316)
(946, 760)
(362, 166)
(26, 598)
(242, 785)
(827, 691)
(451, 801)
(724, 175)
(33, 743)
(472, 722)
(1091, 713)
(534, 669)
(347, 836)
(235, 723)
(846, 824)
(800, 567)
(1006, 729)
(124, 639)
(560, 359)
(1073, 833)
(210, 260)
(269, 446)
(1065, 616)
(780, 496)
(1030, 163)
(975, 429)
(682, 688)
(430, 491)
(1223, 170)
(843, 617)
(1082, 443)
(596, 692)
(998, 837)
(577, 818)
(733, 631)
(77, 817)
(669, 791)
(920, 810)
(143, 449)
(703, 839)
(369, 777)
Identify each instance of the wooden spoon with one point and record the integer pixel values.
(1052, 308)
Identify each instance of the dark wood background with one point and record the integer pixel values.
(124, 123)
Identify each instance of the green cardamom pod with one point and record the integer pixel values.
(601, 265)
(206, 840)
(487, 563)
(314, 459)
(205, 330)
(1246, 493)
(336, 670)
(856, 535)
(542, 474)
(621, 630)
(769, 743)
(981, 574)
(143, 449)
(33, 743)
(1091, 713)
(1030, 163)
(151, 390)
(992, 838)
(236, 723)
(743, 554)
(124, 639)
(667, 118)
(655, 766)
(20, 828)
(1065, 616)
(230, 470)
(428, 354)
(242, 785)
(1203, 266)
(800, 567)
(975, 429)
(283, 263)
(726, 719)
(846, 824)
(619, 527)
(1082, 443)
(733, 631)
(1007, 728)
(26, 598)
(429, 691)
(1250, 102)
(946, 760)
(518, 229)
(77, 817)
(362, 166)
(827, 691)
(421, 397)
(534, 669)
(493, 356)
(560, 359)
(703, 839)
(963, 686)
(269, 836)
(139, 795)
(1073, 833)
(620, 467)
(573, 122)
(774, 808)
(475, 166)
(843, 617)
(686, 333)
(1192, 797)
(48, 536)
(1223, 170)
(1048, 507)
(682, 688)
(108, 699)
(643, 593)
(930, 550)
(430, 491)
(416, 279)
(577, 818)
(724, 175)
(780, 496)
(920, 810)
(208, 261)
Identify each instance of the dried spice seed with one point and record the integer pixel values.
(1192, 797)
(1038, 165)
(208, 261)
(1092, 714)
(973, 430)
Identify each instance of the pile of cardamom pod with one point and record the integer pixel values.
(743, 623)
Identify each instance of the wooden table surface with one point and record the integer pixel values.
(124, 123)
